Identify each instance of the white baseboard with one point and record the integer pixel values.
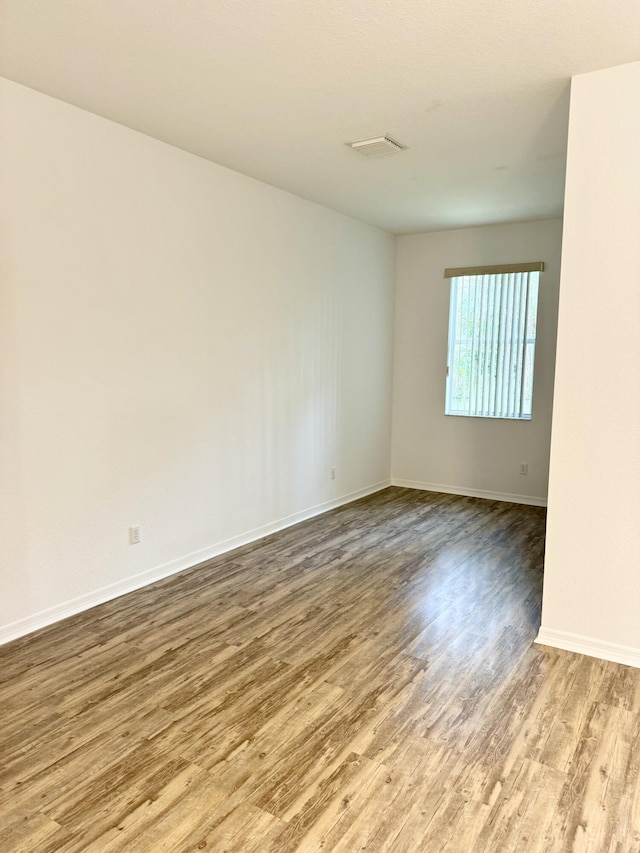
(470, 493)
(21, 627)
(589, 646)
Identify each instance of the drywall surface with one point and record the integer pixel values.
(468, 455)
(592, 568)
(183, 348)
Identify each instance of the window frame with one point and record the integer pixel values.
(524, 341)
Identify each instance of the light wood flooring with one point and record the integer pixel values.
(365, 680)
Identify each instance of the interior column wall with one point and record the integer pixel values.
(592, 571)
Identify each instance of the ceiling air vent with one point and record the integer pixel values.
(377, 146)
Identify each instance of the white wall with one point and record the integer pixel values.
(468, 455)
(592, 570)
(182, 347)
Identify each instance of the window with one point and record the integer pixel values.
(492, 339)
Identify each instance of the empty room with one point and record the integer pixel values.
(320, 426)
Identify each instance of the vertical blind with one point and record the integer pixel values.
(492, 335)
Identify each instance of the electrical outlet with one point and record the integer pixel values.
(134, 534)
(332, 473)
(523, 468)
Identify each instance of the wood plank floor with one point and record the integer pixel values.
(363, 681)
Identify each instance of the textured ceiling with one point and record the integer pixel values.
(478, 90)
